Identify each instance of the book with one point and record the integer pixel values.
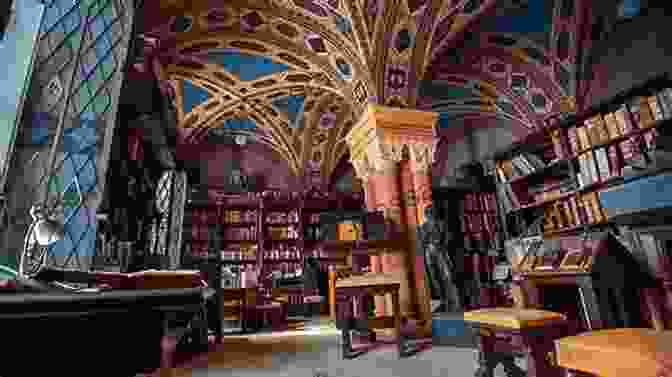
(591, 137)
(558, 143)
(665, 101)
(613, 127)
(575, 210)
(656, 110)
(650, 139)
(582, 138)
(602, 160)
(582, 175)
(572, 139)
(635, 114)
(588, 209)
(624, 119)
(646, 117)
(534, 161)
(615, 162)
(600, 130)
(630, 150)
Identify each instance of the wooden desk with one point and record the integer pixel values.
(613, 353)
(356, 288)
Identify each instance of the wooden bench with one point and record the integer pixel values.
(354, 288)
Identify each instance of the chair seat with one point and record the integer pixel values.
(513, 318)
(615, 352)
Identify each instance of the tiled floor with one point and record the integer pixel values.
(313, 350)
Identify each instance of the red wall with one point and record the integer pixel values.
(252, 159)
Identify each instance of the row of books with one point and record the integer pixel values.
(480, 225)
(580, 209)
(641, 113)
(480, 201)
(507, 197)
(236, 216)
(520, 166)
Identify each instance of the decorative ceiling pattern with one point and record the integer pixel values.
(526, 55)
(300, 73)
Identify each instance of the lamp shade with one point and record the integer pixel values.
(46, 232)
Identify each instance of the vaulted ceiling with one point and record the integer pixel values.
(297, 74)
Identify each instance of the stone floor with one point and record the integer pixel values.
(312, 349)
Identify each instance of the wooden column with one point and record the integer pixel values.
(408, 203)
(376, 145)
(386, 182)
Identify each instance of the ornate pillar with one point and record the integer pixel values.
(422, 158)
(378, 141)
(410, 212)
(386, 187)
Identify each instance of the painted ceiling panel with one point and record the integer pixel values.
(531, 20)
(246, 67)
(192, 96)
(292, 107)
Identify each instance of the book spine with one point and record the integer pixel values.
(588, 210)
(646, 118)
(615, 165)
(602, 164)
(582, 136)
(601, 129)
(575, 210)
(612, 126)
(573, 141)
(558, 144)
(623, 122)
(665, 100)
(635, 114)
(656, 109)
(650, 139)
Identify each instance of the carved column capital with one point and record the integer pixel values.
(384, 157)
(422, 156)
(363, 168)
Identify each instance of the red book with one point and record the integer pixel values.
(590, 216)
(630, 148)
(615, 163)
(477, 222)
(572, 141)
(650, 139)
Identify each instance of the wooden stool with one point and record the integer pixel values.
(613, 353)
(357, 287)
(504, 333)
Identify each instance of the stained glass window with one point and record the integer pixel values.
(98, 32)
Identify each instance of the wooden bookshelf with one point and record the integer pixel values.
(591, 149)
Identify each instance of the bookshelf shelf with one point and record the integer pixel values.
(593, 153)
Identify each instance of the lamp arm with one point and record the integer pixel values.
(26, 240)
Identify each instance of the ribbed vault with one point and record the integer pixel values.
(298, 74)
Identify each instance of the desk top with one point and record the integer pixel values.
(615, 352)
(369, 280)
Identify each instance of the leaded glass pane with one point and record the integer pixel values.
(88, 116)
